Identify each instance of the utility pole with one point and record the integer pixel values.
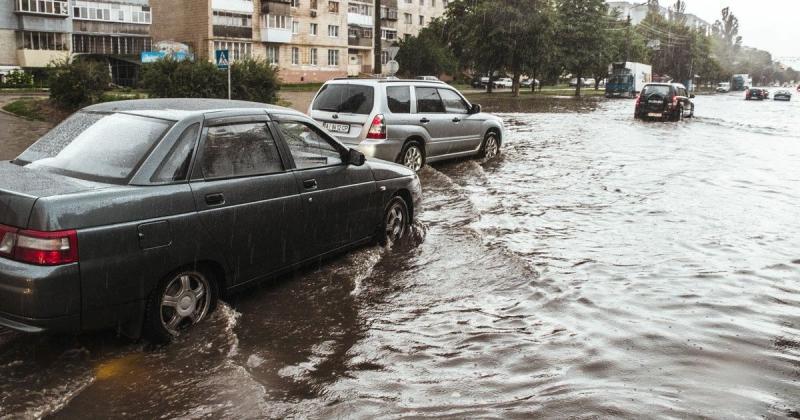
(377, 68)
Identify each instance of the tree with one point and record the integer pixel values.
(426, 53)
(579, 43)
(77, 83)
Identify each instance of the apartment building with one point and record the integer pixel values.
(308, 40)
(34, 33)
(638, 12)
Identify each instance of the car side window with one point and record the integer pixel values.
(309, 148)
(453, 103)
(428, 100)
(176, 165)
(399, 99)
(239, 150)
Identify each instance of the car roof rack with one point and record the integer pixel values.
(389, 80)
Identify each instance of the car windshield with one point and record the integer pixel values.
(617, 80)
(95, 146)
(655, 90)
(351, 99)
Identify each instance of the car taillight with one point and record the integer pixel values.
(638, 99)
(39, 248)
(378, 128)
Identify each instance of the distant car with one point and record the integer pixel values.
(503, 82)
(529, 82)
(664, 101)
(429, 78)
(589, 82)
(756, 94)
(782, 95)
(724, 87)
(574, 82)
(138, 215)
(411, 122)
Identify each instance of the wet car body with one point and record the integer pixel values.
(664, 101)
(756, 94)
(782, 95)
(120, 237)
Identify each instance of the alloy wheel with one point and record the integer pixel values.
(491, 148)
(395, 222)
(185, 301)
(413, 158)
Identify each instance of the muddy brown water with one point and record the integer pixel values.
(602, 267)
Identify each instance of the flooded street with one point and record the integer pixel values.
(601, 267)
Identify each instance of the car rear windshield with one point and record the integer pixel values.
(96, 146)
(655, 90)
(346, 98)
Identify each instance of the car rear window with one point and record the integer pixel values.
(95, 146)
(345, 98)
(655, 90)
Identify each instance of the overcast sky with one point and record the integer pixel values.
(772, 25)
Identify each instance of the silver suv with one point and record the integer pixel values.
(406, 121)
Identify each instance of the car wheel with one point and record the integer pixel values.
(691, 114)
(491, 146)
(182, 300)
(412, 156)
(395, 222)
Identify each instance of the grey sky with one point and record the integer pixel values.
(772, 25)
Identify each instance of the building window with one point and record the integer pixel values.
(273, 54)
(295, 56)
(333, 58)
(421, 2)
(295, 27)
(388, 34)
(237, 50)
(50, 7)
(90, 10)
(421, 20)
(313, 57)
(278, 21)
(52, 41)
(333, 7)
(384, 57)
(112, 45)
(313, 5)
(407, 18)
(359, 9)
(312, 29)
(333, 31)
(295, 3)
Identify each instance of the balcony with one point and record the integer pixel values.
(49, 8)
(39, 58)
(238, 6)
(359, 19)
(359, 41)
(276, 35)
(222, 31)
(276, 7)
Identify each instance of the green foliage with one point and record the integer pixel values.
(77, 83)
(25, 108)
(252, 80)
(582, 36)
(18, 79)
(426, 54)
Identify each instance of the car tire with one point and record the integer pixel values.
(490, 148)
(181, 300)
(691, 114)
(395, 223)
(413, 156)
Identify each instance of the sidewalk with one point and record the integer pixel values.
(16, 134)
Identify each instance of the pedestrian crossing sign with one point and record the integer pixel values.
(222, 57)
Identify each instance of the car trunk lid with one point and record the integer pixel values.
(20, 187)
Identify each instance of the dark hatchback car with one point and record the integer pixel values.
(141, 214)
(782, 95)
(756, 94)
(664, 101)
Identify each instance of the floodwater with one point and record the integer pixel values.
(601, 267)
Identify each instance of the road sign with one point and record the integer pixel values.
(223, 59)
(392, 52)
(392, 67)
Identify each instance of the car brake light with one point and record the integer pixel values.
(378, 128)
(638, 99)
(39, 248)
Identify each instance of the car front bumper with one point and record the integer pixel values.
(39, 299)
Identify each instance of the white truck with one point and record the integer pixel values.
(627, 79)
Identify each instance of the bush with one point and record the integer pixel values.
(75, 84)
(251, 80)
(18, 79)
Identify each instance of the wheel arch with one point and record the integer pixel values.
(414, 137)
(406, 196)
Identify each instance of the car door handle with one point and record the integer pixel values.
(215, 199)
(310, 184)
(456, 120)
(424, 120)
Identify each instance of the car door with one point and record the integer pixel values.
(433, 118)
(246, 198)
(464, 127)
(339, 201)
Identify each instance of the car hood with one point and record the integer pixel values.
(383, 170)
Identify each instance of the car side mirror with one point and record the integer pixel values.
(475, 109)
(355, 158)
(691, 96)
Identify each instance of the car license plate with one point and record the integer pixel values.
(654, 114)
(654, 101)
(337, 128)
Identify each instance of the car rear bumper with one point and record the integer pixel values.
(38, 299)
(388, 150)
